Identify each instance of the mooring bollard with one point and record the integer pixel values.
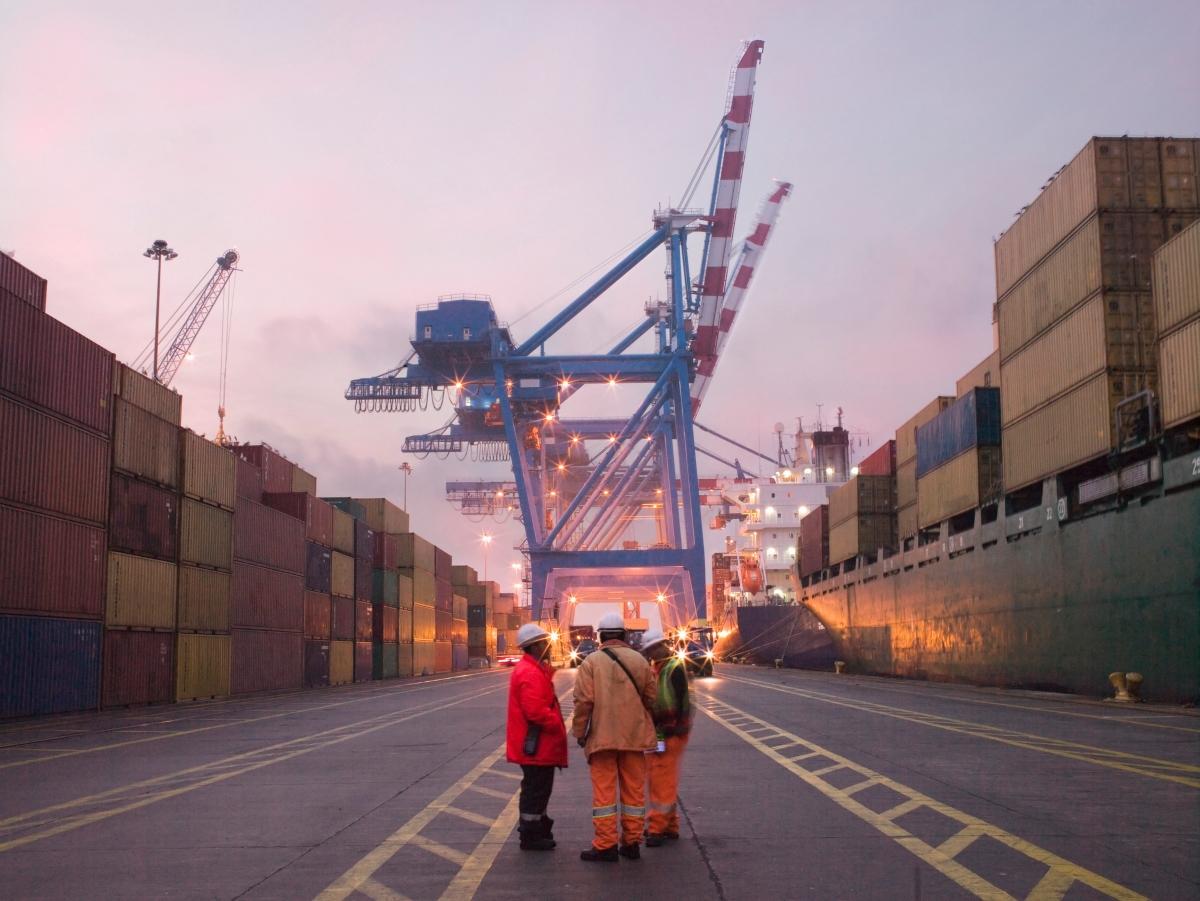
(839, 666)
(1127, 686)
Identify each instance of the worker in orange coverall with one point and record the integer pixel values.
(672, 716)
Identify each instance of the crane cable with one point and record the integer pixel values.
(227, 301)
(172, 321)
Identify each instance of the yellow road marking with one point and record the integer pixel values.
(941, 860)
(516, 776)
(473, 817)
(491, 792)
(467, 882)
(377, 891)
(1153, 767)
(456, 857)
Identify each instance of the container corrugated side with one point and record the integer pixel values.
(385, 624)
(266, 536)
(209, 471)
(316, 663)
(985, 374)
(318, 615)
(384, 516)
(316, 515)
(863, 534)
(364, 661)
(970, 479)
(906, 483)
(1177, 280)
(463, 575)
(201, 666)
(262, 660)
(862, 494)
(275, 468)
(342, 619)
(424, 586)
(972, 420)
(364, 618)
(303, 480)
(318, 572)
(48, 665)
(423, 658)
(22, 283)
(405, 591)
(138, 667)
(249, 480)
(906, 522)
(443, 624)
(882, 462)
(443, 594)
(52, 465)
(384, 587)
(265, 598)
(143, 518)
(142, 592)
(204, 599)
(443, 657)
(386, 551)
(424, 623)
(906, 435)
(385, 660)
(348, 505)
(461, 658)
(404, 624)
(442, 564)
(205, 535)
(458, 606)
(1179, 374)
(50, 565)
(148, 395)
(341, 662)
(1181, 173)
(458, 630)
(363, 579)
(1071, 430)
(814, 540)
(404, 660)
(343, 532)
(51, 366)
(145, 446)
(341, 574)
(416, 553)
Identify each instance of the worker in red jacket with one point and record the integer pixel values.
(537, 737)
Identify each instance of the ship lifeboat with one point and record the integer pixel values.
(749, 574)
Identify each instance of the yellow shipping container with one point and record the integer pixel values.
(906, 483)
(146, 394)
(1179, 374)
(304, 481)
(424, 588)
(1177, 280)
(423, 658)
(343, 531)
(384, 516)
(209, 471)
(424, 622)
(144, 445)
(906, 435)
(862, 494)
(141, 592)
(864, 534)
(406, 624)
(203, 600)
(985, 374)
(405, 591)
(201, 666)
(906, 522)
(205, 535)
(341, 662)
(342, 579)
(416, 552)
(959, 485)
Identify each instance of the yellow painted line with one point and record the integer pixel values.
(516, 776)
(377, 891)
(456, 857)
(491, 792)
(944, 862)
(466, 883)
(471, 816)
(117, 801)
(1152, 767)
(900, 809)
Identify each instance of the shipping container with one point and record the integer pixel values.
(458, 606)
(1177, 280)
(319, 571)
(405, 592)
(303, 481)
(209, 471)
(143, 518)
(383, 516)
(146, 394)
(385, 624)
(341, 662)
(316, 664)
(249, 480)
(264, 598)
(144, 445)
(458, 631)
(971, 479)
(21, 284)
(404, 624)
(51, 464)
(443, 657)
(880, 463)
(48, 665)
(424, 586)
(424, 623)
(416, 553)
(424, 661)
(865, 534)
(385, 663)
(384, 587)
(341, 574)
(205, 535)
(386, 551)
(343, 532)
(1179, 374)
(262, 660)
(364, 618)
(50, 366)
(906, 522)
(971, 421)
(316, 515)
(342, 620)
(443, 625)
(442, 564)
(504, 603)
(862, 495)
(459, 659)
(142, 592)
(348, 505)
(138, 667)
(364, 661)
(906, 483)
(318, 619)
(266, 536)
(363, 579)
(814, 541)
(201, 666)
(443, 595)
(478, 615)
(50, 565)
(985, 374)
(463, 575)
(906, 435)
(404, 661)
(276, 469)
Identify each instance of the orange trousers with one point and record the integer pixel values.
(663, 772)
(610, 770)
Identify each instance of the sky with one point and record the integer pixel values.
(368, 157)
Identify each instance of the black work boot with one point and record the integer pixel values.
(533, 837)
(547, 827)
(654, 840)
(631, 852)
(604, 855)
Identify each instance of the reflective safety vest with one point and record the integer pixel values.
(672, 714)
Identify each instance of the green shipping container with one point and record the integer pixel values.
(385, 588)
(386, 657)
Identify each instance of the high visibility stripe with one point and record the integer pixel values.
(631, 811)
(532, 817)
(599, 813)
(662, 808)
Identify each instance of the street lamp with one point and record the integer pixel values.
(406, 468)
(158, 251)
(486, 540)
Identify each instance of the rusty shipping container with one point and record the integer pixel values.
(52, 465)
(1179, 374)
(814, 541)
(461, 658)
(204, 599)
(364, 661)
(144, 445)
(142, 592)
(971, 479)
(268, 537)
(209, 471)
(862, 495)
(1177, 280)
(318, 615)
(341, 574)
(48, 665)
(463, 575)
(343, 532)
(864, 534)
(50, 566)
(48, 365)
(364, 618)
(316, 515)
(138, 667)
(342, 619)
(143, 518)
(275, 468)
(424, 623)
(201, 666)
(443, 657)
(303, 481)
(318, 572)
(386, 623)
(385, 660)
(205, 535)
(341, 662)
(416, 553)
(21, 284)
(249, 480)
(316, 664)
(906, 435)
(384, 516)
(262, 660)
(146, 394)
(264, 598)
(985, 374)
(880, 463)
(442, 564)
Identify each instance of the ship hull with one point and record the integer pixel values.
(787, 633)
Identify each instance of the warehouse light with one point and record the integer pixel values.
(516, 567)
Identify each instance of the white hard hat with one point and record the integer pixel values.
(529, 633)
(651, 638)
(611, 622)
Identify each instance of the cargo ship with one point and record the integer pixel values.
(1040, 527)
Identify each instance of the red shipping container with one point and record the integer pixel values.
(317, 615)
(814, 541)
(364, 551)
(22, 284)
(458, 631)
(263, 660)
(386, 623)
(443, 625)
(443, 595)
(54, 367)
(249, 481)
(264, 598)
(138, 667)
(364, 617)
(275, 468)
(364, 661)
(144, 518)
(50, 565)
(387, 551)
(315, 513)
(880, 463)
(52, 465)
(266, 536)
(443, 657)
(343, 619)
(442, 563)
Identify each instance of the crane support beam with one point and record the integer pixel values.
(744, 447)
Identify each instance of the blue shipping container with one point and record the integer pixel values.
(971, 421)
(48, 665)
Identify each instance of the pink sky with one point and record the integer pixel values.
(368, 157)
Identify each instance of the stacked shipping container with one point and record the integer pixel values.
(862, 517)
(390, 594)
(813, 553)
(1177, 317)
(958, 457)
(906, 467)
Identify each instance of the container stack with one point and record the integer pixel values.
(814, 541)
(353, 616)
(1177, 316)
(862, 517)
(443, 652)
(906, 467)
(56, 396)
(505, 620)
(481, 630)
(1075, 311)
(266, 615)
(958, 457)
(417, 564)
(986, 374)
(390, 595)
(459, 633)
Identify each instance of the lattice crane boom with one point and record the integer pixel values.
(196, 316)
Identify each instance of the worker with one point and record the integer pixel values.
(614, 693)
(672, 723)
(536, 736)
